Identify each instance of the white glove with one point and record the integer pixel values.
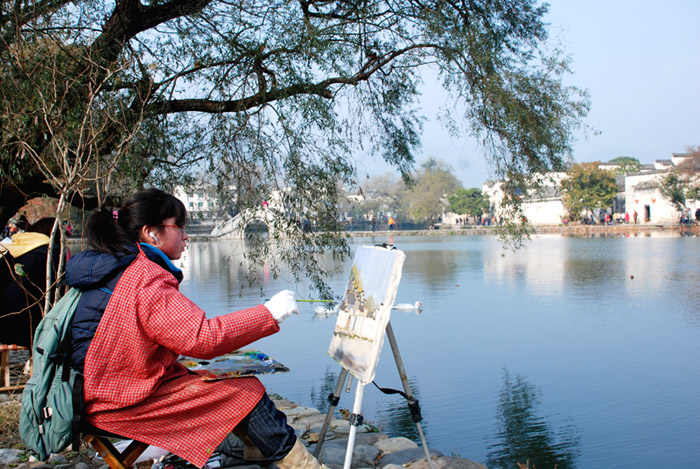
(282, 305)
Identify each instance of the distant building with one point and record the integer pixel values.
(642, 195)
(678, 158)
(609, 166)
(541, 206)
(201, 203)
(357, 198)
(663, 165)
(638, 192)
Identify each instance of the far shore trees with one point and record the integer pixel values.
(626, 164)
(424, 200)
(586, 188)
(683, 182)
(472, 202)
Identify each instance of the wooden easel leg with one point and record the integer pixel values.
(406, 386)
(333, 399)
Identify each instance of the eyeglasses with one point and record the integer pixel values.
(181, 228)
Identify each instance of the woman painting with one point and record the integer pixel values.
(132, 324)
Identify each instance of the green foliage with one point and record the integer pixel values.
(678, 190)
(471, 202)
(627, 164)
(586, 188)
(100, 98)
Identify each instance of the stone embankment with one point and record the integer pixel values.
(622, 229)
(602, 231)
(372, 449)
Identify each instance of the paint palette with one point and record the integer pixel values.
(234, 365)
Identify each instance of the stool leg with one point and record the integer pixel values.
(112, 457)
(105, 449)
(5, 366)
(132, 453)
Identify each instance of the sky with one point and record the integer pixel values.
(639, 61)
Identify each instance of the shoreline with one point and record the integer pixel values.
(691, 229)
(470, 230)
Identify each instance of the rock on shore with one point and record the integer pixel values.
(372, 449)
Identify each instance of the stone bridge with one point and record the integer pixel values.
(234, 227)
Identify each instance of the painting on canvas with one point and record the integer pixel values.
(364, 313)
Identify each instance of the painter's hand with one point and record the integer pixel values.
(282, 305)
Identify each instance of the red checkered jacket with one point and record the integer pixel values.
(135, 387)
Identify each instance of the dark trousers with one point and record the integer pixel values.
(266, 428)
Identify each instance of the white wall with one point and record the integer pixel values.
(640, 193)
(539, 212)
(545, 212)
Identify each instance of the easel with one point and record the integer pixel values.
(356, 417)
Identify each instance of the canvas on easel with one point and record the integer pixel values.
(364, 313)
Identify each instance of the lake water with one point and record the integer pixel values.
(574, 352)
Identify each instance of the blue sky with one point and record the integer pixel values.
(639, 60)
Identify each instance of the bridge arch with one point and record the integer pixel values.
(235, 227)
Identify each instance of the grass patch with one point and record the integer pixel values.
(9, 425)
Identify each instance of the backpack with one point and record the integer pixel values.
(48, 419)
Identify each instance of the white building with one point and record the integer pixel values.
(663, 165)
(543, 206)
(200, 203)
(643, 196)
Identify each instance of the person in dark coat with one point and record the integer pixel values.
(23, 282)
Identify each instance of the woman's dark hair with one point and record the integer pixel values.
(115, 231)
(21, 223)
(43, 225)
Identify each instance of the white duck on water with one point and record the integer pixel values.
(325, 310)
(417, 306)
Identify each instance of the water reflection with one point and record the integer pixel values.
(439, 268)
(543, 274)
(524, 437)
(222, 266)
(319, 399)
(395, 418)
(392, 416)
